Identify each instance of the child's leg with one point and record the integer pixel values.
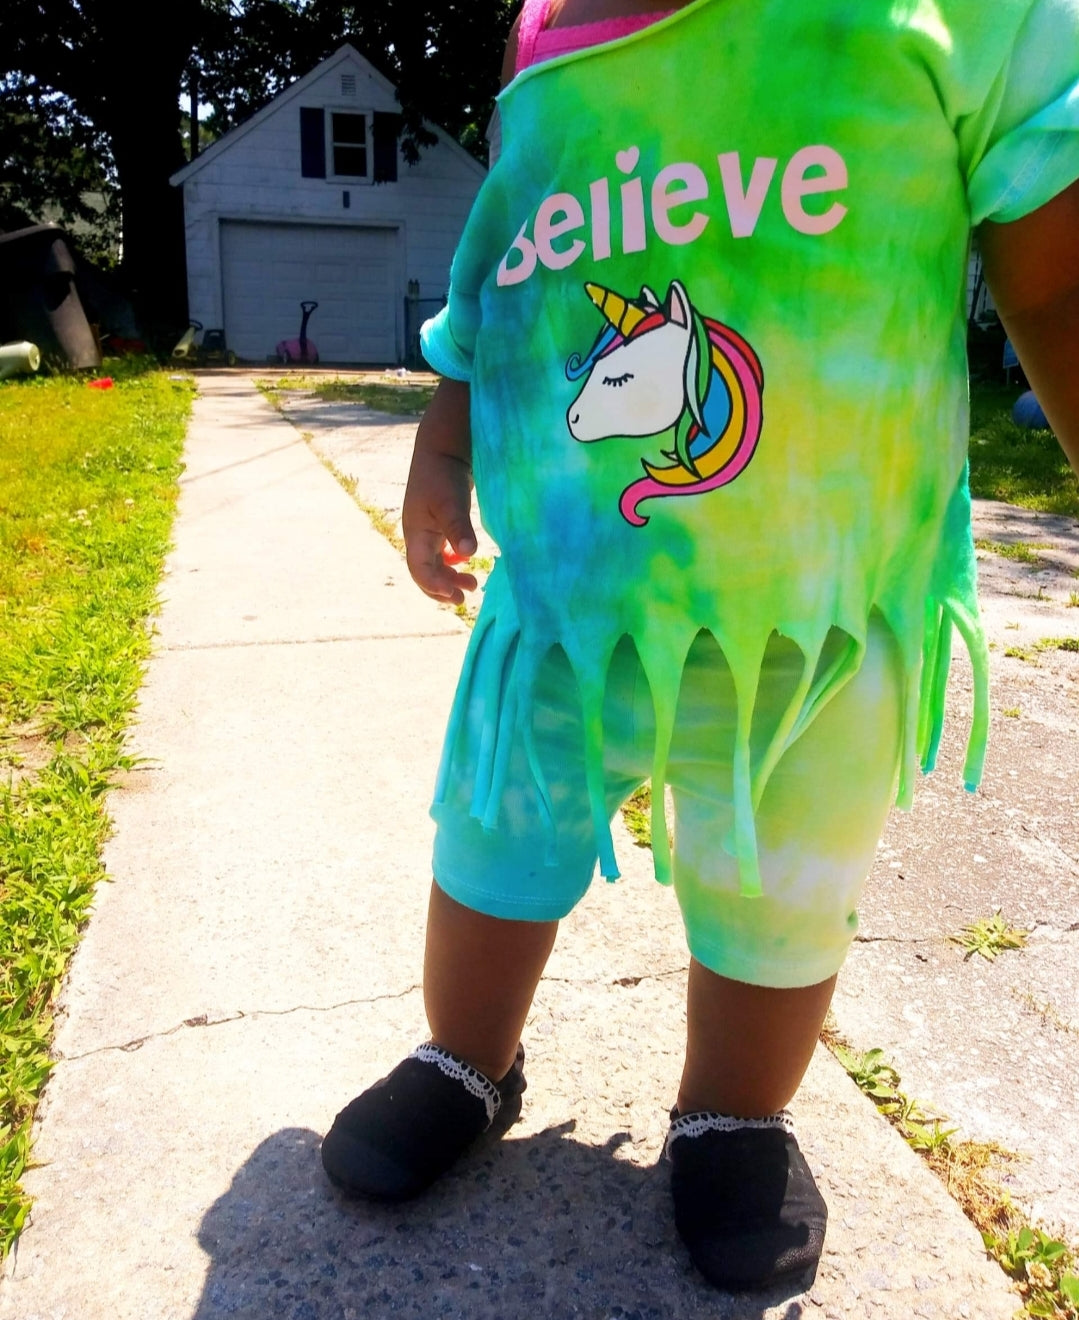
(747, 1046)
(493, 916)
(405, 1131)
(499, 893)
(763, 966)
(479, 976)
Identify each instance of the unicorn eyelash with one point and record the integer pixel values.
(618, 381)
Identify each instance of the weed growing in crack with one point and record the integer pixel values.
(870, 1072)
(398, 398)
(989, 936)
(1046, 1011)
(1041, 1267)
(383, 521)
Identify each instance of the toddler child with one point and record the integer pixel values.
(704, 351)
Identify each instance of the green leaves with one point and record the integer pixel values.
(1039, 1263)
(870, 1072)
(989, 936)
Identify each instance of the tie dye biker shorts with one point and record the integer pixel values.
(818, 822)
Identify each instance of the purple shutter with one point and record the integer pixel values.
(387, 129)
(312, 143)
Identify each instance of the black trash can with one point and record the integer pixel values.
(39, 300)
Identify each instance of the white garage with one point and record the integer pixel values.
(312, 200)
(352, 273)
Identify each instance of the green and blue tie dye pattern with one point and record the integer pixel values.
(711, 303)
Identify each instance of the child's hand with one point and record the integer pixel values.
(436, 516)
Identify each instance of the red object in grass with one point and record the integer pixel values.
(102, 383)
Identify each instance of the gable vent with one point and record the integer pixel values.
(348, 84)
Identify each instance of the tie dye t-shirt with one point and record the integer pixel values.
(711, 304)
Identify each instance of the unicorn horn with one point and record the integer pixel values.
(622, 315)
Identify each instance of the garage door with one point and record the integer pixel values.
(267, 270)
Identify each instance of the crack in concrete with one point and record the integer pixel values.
(1071, 929)
(898, 939)
(204, 1020)
(627, 981)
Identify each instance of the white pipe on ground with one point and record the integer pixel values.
(21, 357)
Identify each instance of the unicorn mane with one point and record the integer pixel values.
(695, 379)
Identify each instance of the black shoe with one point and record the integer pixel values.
(745, 1203)
(393, 1141)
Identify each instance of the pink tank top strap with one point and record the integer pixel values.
(533, 17)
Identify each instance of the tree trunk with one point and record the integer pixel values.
(143, 124)
(154, 263)
(193, 117)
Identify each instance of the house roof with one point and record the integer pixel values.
(346, 54)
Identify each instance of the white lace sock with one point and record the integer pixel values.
(694, 1125)
(474, 1082)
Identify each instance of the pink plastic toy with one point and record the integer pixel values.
(300, 349)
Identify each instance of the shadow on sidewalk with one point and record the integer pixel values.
(544, 1226)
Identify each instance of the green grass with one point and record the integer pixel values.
(403, 400)
(1008, 462)
(637, 814)
(400, 400)
(88, 484)
(1023, 552)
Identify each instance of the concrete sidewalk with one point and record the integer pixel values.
(256, 961)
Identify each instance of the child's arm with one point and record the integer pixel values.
(438, 497)
(1032, 269)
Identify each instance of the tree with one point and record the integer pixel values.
(95, 63)
(102, 84)
(443, 56)
(51, 164)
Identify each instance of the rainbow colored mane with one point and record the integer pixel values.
(715, 409)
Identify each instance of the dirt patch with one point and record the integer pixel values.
(25, 751)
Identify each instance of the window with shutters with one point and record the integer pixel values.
(342, 145)
(348, 151)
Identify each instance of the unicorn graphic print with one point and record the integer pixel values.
(665, 369)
